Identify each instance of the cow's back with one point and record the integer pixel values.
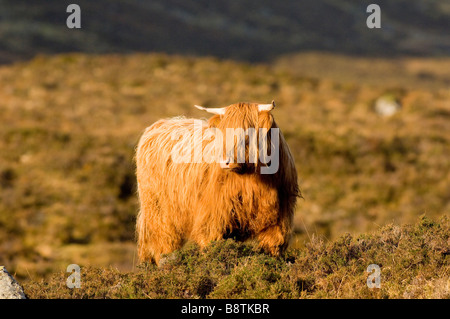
(161, 176)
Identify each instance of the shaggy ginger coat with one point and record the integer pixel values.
(202, 201)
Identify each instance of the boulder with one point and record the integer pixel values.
(9, 287)
(387, 106)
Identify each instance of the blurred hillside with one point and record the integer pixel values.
(246, 30)
(70, 123)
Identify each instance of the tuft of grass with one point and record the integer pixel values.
(414, 262)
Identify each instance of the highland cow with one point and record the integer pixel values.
(205, 200)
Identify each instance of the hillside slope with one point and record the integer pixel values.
(248, 30)
(70, 124)
(414, 262)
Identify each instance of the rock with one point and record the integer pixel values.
(9, 287)
(386, 106)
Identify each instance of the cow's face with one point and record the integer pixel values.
(245, 128)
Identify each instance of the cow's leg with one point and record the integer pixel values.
(204, 238)
(156, 241)
(156, 233)
(165, 245)
(203, 233)
(273, 239)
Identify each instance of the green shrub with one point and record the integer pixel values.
(414, 262)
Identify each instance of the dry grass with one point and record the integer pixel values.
(70, 124)
(414, 263)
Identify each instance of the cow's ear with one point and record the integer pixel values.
(215, 120)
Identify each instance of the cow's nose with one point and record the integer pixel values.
(225, 163)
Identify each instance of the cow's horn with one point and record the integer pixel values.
(266, 107)
(218, 110)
